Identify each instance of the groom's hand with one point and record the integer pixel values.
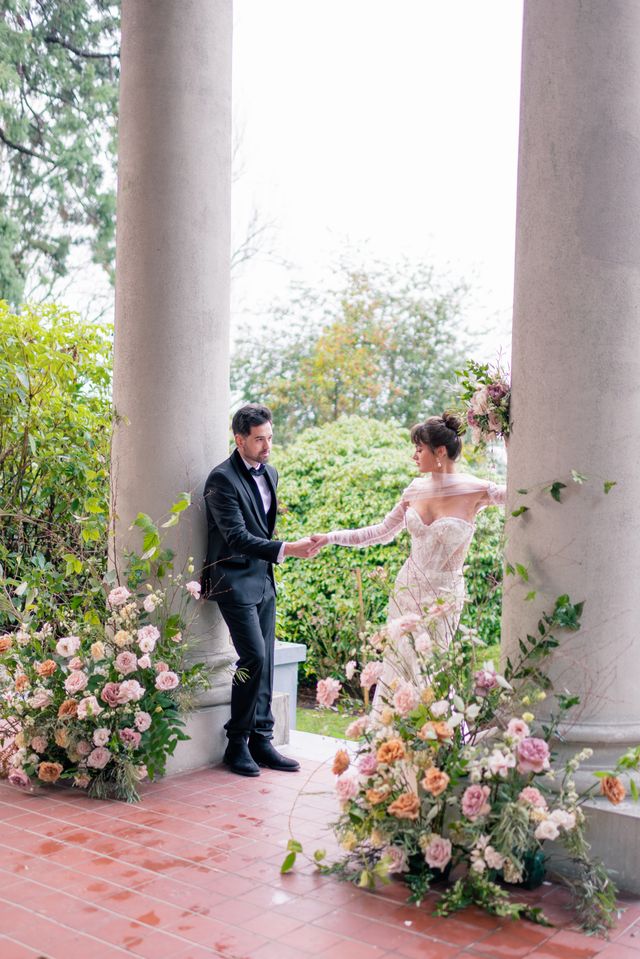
(302, 548)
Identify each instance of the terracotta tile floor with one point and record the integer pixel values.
(193, 871)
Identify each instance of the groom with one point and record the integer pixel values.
(241, 505)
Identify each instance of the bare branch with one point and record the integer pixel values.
(87, 54)
(22, 149)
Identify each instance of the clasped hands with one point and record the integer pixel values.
(306, 548)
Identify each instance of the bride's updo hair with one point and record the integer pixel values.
(446, 430)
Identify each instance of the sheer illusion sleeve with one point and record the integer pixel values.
(382, 532)
(494, 495)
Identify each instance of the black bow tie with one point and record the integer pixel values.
(257, 470)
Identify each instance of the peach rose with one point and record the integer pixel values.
(435, 781)
(47, 668)
(613, 789)
(61, 737)
(406, 806)
(391, 751)
(341, 762)
(49, 772)
(443, 730)
(5, 643)
(68, 709)
(375, 796)
(22, 683)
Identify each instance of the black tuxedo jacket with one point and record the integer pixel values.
(240, 551)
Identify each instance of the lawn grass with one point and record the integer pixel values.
(323, 722)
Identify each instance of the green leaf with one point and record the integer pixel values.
(634, 789)
(287, 865)
(555, 488)
(294, 846)
(522, 572)
(183, 503)
(609, 484)
(519, 511)
(523, 492)
(172, 521)
(531, 595)
(509, 570)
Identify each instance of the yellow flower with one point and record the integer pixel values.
(349, 842)
(528, 717)
(427, 696)
(122, 638)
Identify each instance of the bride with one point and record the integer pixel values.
(439, 510)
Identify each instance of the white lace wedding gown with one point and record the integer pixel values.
(432, 571)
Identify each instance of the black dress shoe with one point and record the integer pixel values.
(238, 758)
(265, 755)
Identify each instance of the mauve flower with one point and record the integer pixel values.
(101, 736)
(497, 390)
(167, 680)
(474, 801)
(40, 699)
(356, 729)
(142, 721)
(347, 787)
(76, 663)
(479, 401)
(517, 728)
(367, 764)
(533, 755)
(98, 758)
(193, 588)
(397, 859)
(350, 668)
(403, 624)
(126, 662)
(148, 636)
(39, 744)
(145, 661)
(471, 420)
(76, 682)
(88, 708)
(83, 748)
(131, 691)
(130, 737)
(405, 698)
(161, 666)
(67, 646)
(327, 691)
(547, 829)
(485, 680)
(532, 797)
(118, 596)
(438, 852)
(371, 674)
(110, 693)
(18, 777)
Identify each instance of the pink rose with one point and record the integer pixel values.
(533, 755)
(438, 853)
(118, 596)
(148, 636)
(485, 680)
(76, 682)
(371, 673)
(397, 858)
(145, 661)
(405, 698)
(101, 736)
(356, 729)
(167, 680)
(83, 748)
(547, 829)
(98, 758)
(423, 644)
(367, 764)
(76, 663)
(142, 721)
(327, 691)
(442, 609)
(40, 699)
(563, 819)
(126, 662)
(500, 763)
(533, 797)
(517, 729)
(18, 777)
(474, 801)
(347, 787)
(110, 693)
(88, 708)
(131, 691)
(161, 667)
(39, 744)
(130, 737)
(67, 646)
(404, 624)
(193, 588)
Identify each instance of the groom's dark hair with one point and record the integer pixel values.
(252, 414)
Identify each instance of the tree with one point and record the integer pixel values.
(59, 65)
(384, 344)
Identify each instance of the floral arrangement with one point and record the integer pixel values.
(453, 777)
(485, 392)
(99, 706)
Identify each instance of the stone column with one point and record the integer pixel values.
(172, 290)
(576, 374)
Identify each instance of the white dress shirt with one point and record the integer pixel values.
(265, 495)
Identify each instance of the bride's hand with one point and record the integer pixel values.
(320, 540)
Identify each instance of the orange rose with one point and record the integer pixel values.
(68, 709)
(341, 762)
(391, 751)
(49, 772)
(613, 789)
(61, 737)
(435, 781)
(22, 682)
(443, 730)
(5, 643)
(406, 806)
(47, 668)
(428, 731)
(375, 796)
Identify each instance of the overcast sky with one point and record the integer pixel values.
(387, 129)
